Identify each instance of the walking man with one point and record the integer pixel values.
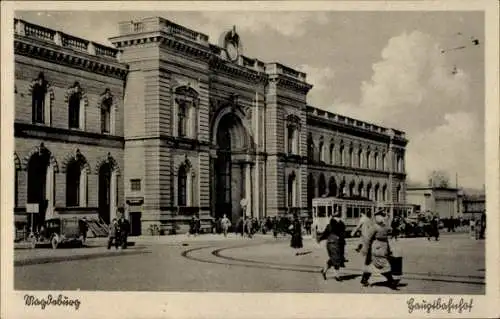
(225, 223)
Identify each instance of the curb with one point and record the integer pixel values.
(57, 259)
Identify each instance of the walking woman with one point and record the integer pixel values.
(334, 234)
(296, 241)
(377, 251)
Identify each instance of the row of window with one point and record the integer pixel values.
(376, 192)
(348, 157)
(42, 102)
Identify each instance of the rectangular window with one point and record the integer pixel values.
(135, 185)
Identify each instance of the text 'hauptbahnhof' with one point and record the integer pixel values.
(167, 125)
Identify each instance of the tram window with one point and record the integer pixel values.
(321, 211)
(330, 211)
(362, 211)
(349, 212)
(314, 211)
(356, 212)
(368, 212)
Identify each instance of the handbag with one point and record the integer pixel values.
(396, 265)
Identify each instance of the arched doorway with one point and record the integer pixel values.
(38, 165)
(105, 194)
(231, 172)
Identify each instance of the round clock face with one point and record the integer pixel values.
(232, 51)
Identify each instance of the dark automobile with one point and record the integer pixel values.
(60, 230)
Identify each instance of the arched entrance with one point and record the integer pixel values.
(232, 176)
(105, 192)
(38, 193)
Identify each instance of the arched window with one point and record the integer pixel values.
(400, 164)
(292, 190)
(182, 190)
(398, 194)
(332, 187)
(186, 102)
(360, 158)
(383, 162)
(352, 185)
(369, 190)
(375, 159)
(293, 134)
(76, 182)
(332, 153)
(321, 151)
(76, 111)
(376, 192)
(310, 148)
(351, 157)
(106, 110)
(384, 193)
(361, 189)
(321, 185)
(342, 190)
(40, 101)
(368, 157)
(341, 152)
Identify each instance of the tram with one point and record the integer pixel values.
(350, 208)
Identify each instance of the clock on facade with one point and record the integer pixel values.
(232, 45)
(232, 51)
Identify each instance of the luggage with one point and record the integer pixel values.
(396, 265)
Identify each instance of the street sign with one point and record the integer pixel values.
(32, 208)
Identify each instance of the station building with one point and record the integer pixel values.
(167, 125)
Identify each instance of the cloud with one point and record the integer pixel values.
(322, 79)
(289, 24)
(414, 88)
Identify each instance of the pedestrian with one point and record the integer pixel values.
(82, 223)
(483, 225)
(296, 241)
(363, 226)
(113, 234)
(377, 251)
(192, 226)
(225, 223)
(275, 227)
(197, 225)
(395, 227)
(433, 229)
(334, 234)
(124, 229)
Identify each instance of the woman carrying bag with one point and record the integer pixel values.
(378, 254)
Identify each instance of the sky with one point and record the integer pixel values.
(386, 68)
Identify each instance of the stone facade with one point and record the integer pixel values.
(197, 128)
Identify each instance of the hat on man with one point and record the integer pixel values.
(380, 212)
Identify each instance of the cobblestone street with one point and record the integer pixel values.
(235, 264)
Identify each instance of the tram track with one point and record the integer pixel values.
(216, 256)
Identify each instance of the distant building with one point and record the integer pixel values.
(474, 205)
(446, 202)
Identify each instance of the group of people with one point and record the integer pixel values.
(118, 232)
(374, 246)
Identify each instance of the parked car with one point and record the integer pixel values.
(60, 230)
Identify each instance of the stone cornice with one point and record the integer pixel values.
(194, 50)
(63, 56)
(234, 70)
(354, 130)
(290, 83)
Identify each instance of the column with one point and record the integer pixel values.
(49, 191)
(248, 188)
(112, 196)
(257, 190)
(83, 189)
